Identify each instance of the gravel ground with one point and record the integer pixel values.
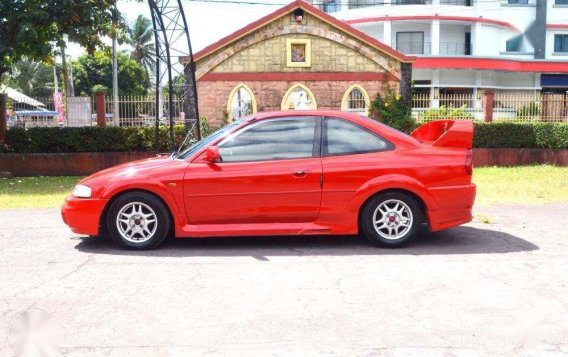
(481, 289)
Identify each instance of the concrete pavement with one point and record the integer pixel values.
(481, 289)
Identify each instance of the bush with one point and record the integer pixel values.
(90, 139)
(393, 110)
(521, 135)
(95, 139)
(528, 110)
(444, 112)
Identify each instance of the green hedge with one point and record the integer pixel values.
(94, 139)
(88, 139)
(521, 135)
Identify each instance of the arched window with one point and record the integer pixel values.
(241, 102)
(356, 100)
(299, 97)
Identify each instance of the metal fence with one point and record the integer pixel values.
(456, 106)
(531, 107)
(82, 111)
(519, 107)
(141, 110)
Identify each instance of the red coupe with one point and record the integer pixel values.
(287, 173)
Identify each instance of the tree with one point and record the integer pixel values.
(26, 29)
(96, 70)
(141, 38)
(32, 78)
(32, 28)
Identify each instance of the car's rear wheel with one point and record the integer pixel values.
(138, 220)
(391, 219)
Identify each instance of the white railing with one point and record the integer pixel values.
(455, 106)
(518, 107)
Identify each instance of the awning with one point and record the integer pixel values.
(36, 113)
(20, 97)
(554, 80)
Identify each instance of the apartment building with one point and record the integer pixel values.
(463, 46)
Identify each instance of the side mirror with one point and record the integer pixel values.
(212, 154)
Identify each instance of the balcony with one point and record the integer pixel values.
(356, 4)
(337, 5)
(414, 48)
(457, 2)
(455, 48)
(425, 48)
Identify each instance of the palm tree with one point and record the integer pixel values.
(141, 38)
(32, 78)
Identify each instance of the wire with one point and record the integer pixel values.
(315, 3)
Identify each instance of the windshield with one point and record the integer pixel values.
(188, 148)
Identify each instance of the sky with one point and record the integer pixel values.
(207, 22)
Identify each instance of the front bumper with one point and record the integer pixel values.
(83, 215)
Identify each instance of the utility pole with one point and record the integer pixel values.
(65, 69)
(71, 85)
(115, 109)
(55, 81)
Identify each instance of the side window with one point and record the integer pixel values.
(277, 139)
(342, 137)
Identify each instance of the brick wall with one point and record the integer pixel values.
(213, 96)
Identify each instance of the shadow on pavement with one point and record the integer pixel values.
(461, 240)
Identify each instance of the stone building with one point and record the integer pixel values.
(298, 57)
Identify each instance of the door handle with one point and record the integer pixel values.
(300, 173)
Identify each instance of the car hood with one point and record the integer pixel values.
(145, 167)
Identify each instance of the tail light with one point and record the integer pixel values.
(469, 162)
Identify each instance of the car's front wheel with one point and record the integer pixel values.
(138, 220)
(391, 219)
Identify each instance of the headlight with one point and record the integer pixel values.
(82, 191)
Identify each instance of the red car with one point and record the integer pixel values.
(287, 173)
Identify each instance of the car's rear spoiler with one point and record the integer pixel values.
(446, 133)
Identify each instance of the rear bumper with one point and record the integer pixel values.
(83, 215)
(454, 206)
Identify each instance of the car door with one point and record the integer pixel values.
(270, 171)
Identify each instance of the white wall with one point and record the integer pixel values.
(507, 79)
(550, 45)
(556, 14)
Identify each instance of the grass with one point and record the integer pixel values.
(517, 185)
(521, 185)
(35, 192)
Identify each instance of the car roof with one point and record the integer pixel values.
(400, 139)
(296, 113)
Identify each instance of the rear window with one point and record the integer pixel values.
(342, 137)
(382, 126)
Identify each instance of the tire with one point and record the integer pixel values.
(138, 221)
(398, 218)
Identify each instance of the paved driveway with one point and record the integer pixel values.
(481, 289)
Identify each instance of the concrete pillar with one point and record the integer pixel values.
(435, 91)
(489, 99)
(476, 39)
(435, 37)
(3, 118)
(101, 109)
(387, 33)
(477, 103)
(406, 82)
